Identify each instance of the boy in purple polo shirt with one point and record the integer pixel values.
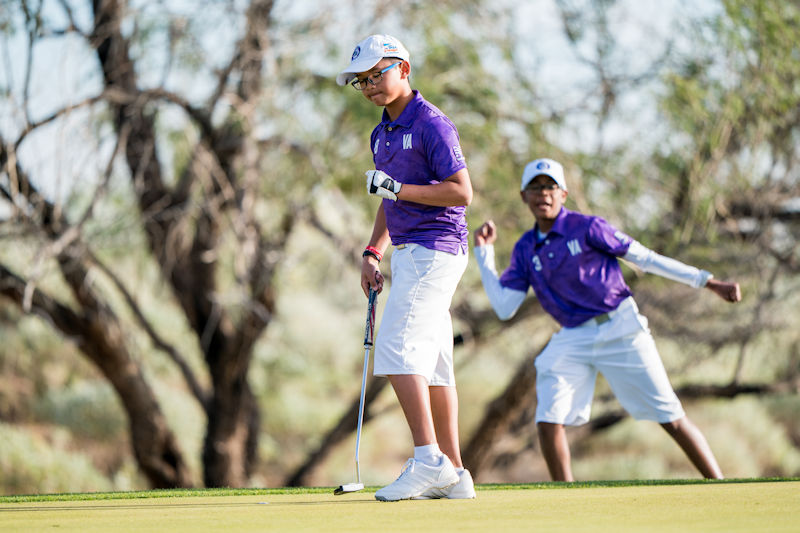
(421, 175)
(570, 261)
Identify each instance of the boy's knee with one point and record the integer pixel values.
(676, 426)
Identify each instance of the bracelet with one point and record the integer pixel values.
(374, 252)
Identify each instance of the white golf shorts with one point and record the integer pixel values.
(415, 335)
(623, 350)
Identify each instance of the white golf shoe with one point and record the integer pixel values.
(463, 490)
(416, 478)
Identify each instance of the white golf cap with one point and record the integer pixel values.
(367, 54)
(546, 167)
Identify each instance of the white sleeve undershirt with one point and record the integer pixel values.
(654, 263)
(505, 301)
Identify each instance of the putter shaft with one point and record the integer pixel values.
(368, 334)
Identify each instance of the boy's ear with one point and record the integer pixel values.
(405, 68)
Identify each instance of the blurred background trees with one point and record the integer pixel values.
(182, 215)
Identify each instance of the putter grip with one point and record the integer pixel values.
(369, 330)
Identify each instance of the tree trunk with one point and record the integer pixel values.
(229, 450)
(98, 334)
(233, 419)
(499, 414)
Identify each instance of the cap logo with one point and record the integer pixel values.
(389, 48)
(542, 165)
(356, 53)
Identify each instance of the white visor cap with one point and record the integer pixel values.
(367, 54)
(547, 167)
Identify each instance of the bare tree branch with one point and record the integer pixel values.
(197, 390)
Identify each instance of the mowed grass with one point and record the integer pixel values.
(730, 506)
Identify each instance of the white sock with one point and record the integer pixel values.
(460, 469)
(430, 454)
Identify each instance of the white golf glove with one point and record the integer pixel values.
(381, 184)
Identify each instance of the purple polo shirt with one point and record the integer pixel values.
(421, 147)
(574, 271)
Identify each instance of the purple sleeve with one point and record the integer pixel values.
(443, 148)
(516, 275)
(607, 238)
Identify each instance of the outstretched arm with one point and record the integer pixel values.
(655, 263)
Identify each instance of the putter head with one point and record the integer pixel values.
(348, 487)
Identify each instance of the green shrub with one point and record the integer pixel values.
(31, 464)
(87, 408)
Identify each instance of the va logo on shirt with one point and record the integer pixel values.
(574, 247)
(377, 143)
(457, 153)
(537, 263)
(407, 141)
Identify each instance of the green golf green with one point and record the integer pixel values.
(719, 506)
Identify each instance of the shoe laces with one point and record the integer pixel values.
(408, 468)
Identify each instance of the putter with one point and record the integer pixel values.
(368, 333)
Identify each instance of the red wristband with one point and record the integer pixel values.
(371, 250)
